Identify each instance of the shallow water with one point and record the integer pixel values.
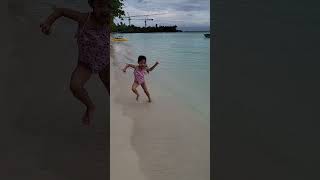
(184, 68)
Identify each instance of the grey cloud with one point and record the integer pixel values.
(177, 5)
(187, 11)
(143, 1)
(190, 7)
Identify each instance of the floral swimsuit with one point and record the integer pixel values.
(139, 75)
(94, 47)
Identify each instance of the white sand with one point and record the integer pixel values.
(164, 139)
(124, 162)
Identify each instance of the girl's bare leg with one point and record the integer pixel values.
(134, 89)
(144, 87)
(78, 79)
(105, 78)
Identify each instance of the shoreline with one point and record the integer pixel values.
(159, 32)
(181, 74)
(122, 154)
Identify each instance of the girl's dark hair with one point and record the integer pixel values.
(90, 2)
(140, 58)
(109, 22)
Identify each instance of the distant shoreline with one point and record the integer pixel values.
(197, 31)
(160, 32)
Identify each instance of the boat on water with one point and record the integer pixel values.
(119, 39)
(207, 35)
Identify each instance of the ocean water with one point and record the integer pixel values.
(184, 69)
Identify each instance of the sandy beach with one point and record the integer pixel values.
(164, 139)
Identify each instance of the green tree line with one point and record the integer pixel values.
(123, 28)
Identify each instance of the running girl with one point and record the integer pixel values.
(139, 71)
(93, 37)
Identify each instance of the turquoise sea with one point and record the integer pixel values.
(184, 68)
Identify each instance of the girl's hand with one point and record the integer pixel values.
(45, 28)
(124, 70)
(46, 25)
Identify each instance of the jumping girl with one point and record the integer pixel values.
(93, 38)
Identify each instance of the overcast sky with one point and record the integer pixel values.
(186, 14)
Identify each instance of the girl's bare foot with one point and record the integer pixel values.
(88, 116)
(137, 98)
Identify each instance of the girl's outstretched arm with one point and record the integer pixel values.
(59, 12)
(128, 65)
(150, 69)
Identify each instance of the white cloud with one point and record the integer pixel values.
(183, 13)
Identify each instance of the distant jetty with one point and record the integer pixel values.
(122, 28)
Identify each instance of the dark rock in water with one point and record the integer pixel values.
(207, 35)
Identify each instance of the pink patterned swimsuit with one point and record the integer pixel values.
(94, 47)
(139, 75)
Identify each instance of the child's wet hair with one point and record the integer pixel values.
(140, 58)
